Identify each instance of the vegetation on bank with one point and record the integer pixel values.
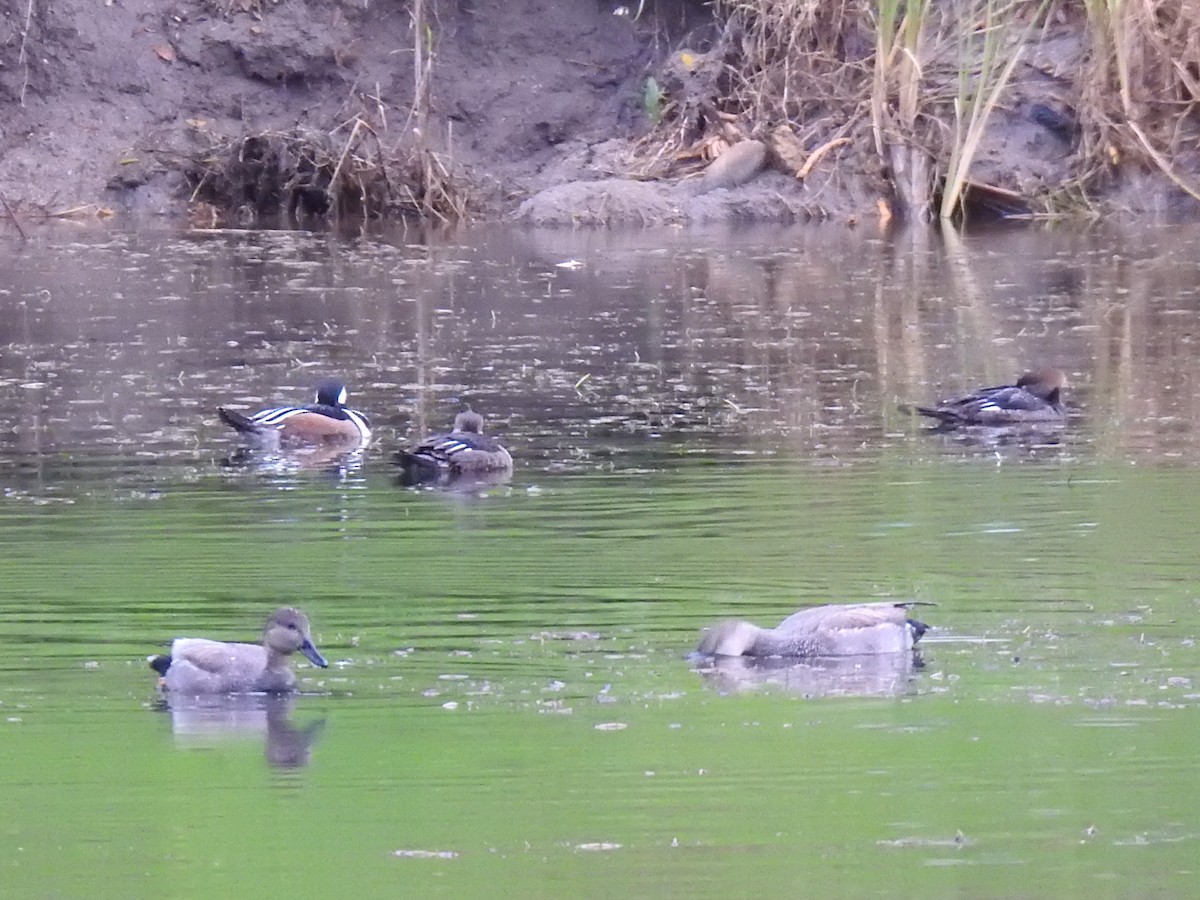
(917, 85)
(358, 168)
(903, 97)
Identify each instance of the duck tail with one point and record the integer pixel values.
(420, 461)
(418, 468)
(237, 421)
(160, 663)
(918, 628)
(944, 416)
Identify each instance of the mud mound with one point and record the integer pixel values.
(610, 201)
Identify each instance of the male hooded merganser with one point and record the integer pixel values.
(833, 630)
(1035, 398)
(201, 666)
(464, 451)
(324, 422)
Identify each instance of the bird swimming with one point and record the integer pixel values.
(326, 421)
(203, 666)
(465, 450)
(832, 630)
(1035, 398)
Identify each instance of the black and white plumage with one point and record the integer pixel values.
(465, 450)
(326, 421)
(1035, 398)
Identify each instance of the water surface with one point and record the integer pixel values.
(705, 426)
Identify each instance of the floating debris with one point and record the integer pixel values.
(959, 840)
(425, 854)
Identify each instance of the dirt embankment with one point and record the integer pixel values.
(542, 109)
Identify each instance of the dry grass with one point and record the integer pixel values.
(1141, 85)
(901, 43)
(917, 85)
(344, 173)
(992, 50)
(353, 170)
(798, 58)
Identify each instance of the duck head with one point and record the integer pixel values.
(730, 638)
(469, 420)
(1044, 383)
(331, 392)
(287, 632)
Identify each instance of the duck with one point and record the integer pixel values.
(465, 450)
(324, 422)
(846, 629)
(203, 666)
(1035, 398)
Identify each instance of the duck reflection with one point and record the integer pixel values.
(1014, 443)
(209, 721)
(337, 462)
(874, 675)
(453, 482)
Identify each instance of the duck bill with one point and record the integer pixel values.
(313, 656)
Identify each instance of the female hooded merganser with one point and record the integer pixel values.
(326, 421)
(834, 630)
(464, 451)
(1036, 397)
(201, 666)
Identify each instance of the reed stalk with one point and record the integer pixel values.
(1141, 85)
(987, 57)
(898, 72)
(23, 55)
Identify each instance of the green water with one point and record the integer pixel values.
(508, 687)
(704, 427)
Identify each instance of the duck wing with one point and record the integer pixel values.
(447, 450)
(263, 421)
(1015, 398)
(970, 406)
(214, 657)
(238, 421)
(846, 617)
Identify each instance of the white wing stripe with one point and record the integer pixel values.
(280, 414)
(277, 415)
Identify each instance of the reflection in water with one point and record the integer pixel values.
(876, 675)
(800, 342)
(207, 721)
(447, 480)
(1026, 436)
(639, 393)
(330, 460)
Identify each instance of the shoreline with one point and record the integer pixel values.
(233, 113)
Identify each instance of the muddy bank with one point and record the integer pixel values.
(541, 110)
